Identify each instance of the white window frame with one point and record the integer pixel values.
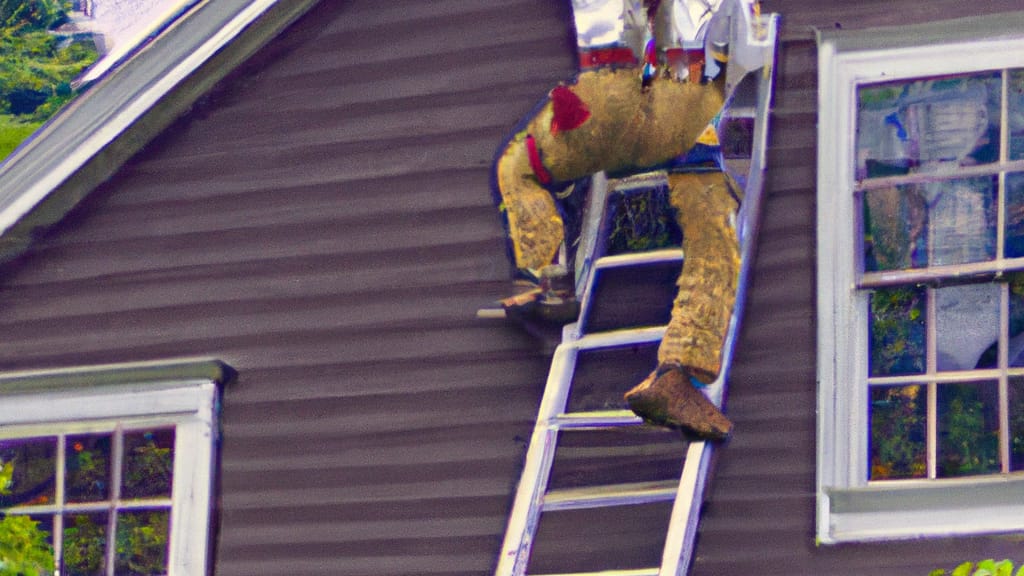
(849, 508)
(184, 395)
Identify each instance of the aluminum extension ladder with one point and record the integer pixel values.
(534, 498)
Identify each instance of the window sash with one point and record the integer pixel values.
(848, 60)
(189, 404)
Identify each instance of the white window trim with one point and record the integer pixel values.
(848, 507)
(183, 393)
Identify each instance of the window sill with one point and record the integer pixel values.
(913, 509)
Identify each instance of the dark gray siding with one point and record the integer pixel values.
(322, 222)
(802, 17)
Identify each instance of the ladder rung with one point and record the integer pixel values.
(640, 258)
(634, 572)
(612, 495)
(622, 337)
(597, 419)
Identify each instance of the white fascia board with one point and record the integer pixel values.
(170, 65)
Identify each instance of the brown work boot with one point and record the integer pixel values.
(667, 397)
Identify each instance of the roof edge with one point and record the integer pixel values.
(90, 139)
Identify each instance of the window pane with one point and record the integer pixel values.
(898, 424)
(85, 544)
(1016, 424)
(966, 324)
(1015, 214)
(148, 463)
(914, 126)
(142, 542)
(968, 419)
(898, 331)
(27, 472)
(88, 467)
(1016, 343)
(934, 224)
(1016, 119)
(961, 220)
(895, 229)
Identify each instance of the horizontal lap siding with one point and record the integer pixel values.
(802, 17)
(323, 223)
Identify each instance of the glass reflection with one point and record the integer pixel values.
(87, 459)
(1016, 114)
(148, 463)
(898, 416)
(1016, 424)
(895, 229)
(918, 125)
(934, 224)
(966, 324)
(897, 327)
(85, 544)
(27, 472)
(1015, 346)
(142, 542)
(968, 429)
(1014, 216)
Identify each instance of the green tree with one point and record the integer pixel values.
(36, 67)
(33, 14)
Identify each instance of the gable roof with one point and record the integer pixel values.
(119, 113)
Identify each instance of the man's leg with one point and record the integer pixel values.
(691, 351)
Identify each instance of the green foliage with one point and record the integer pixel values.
(13, 132)
(983, 568)
(87, 475)
(33, 14)
(969, 447)
(641, 221)
(142, 543)
(84, 544)
(897, 331)
(24, 548)
(149, 471)
(897, 433)
(36, 67)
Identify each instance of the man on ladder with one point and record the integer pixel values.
(642, 101)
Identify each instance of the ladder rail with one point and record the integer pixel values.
(528, 504)
(682, 532)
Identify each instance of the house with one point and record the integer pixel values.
(298, 228)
